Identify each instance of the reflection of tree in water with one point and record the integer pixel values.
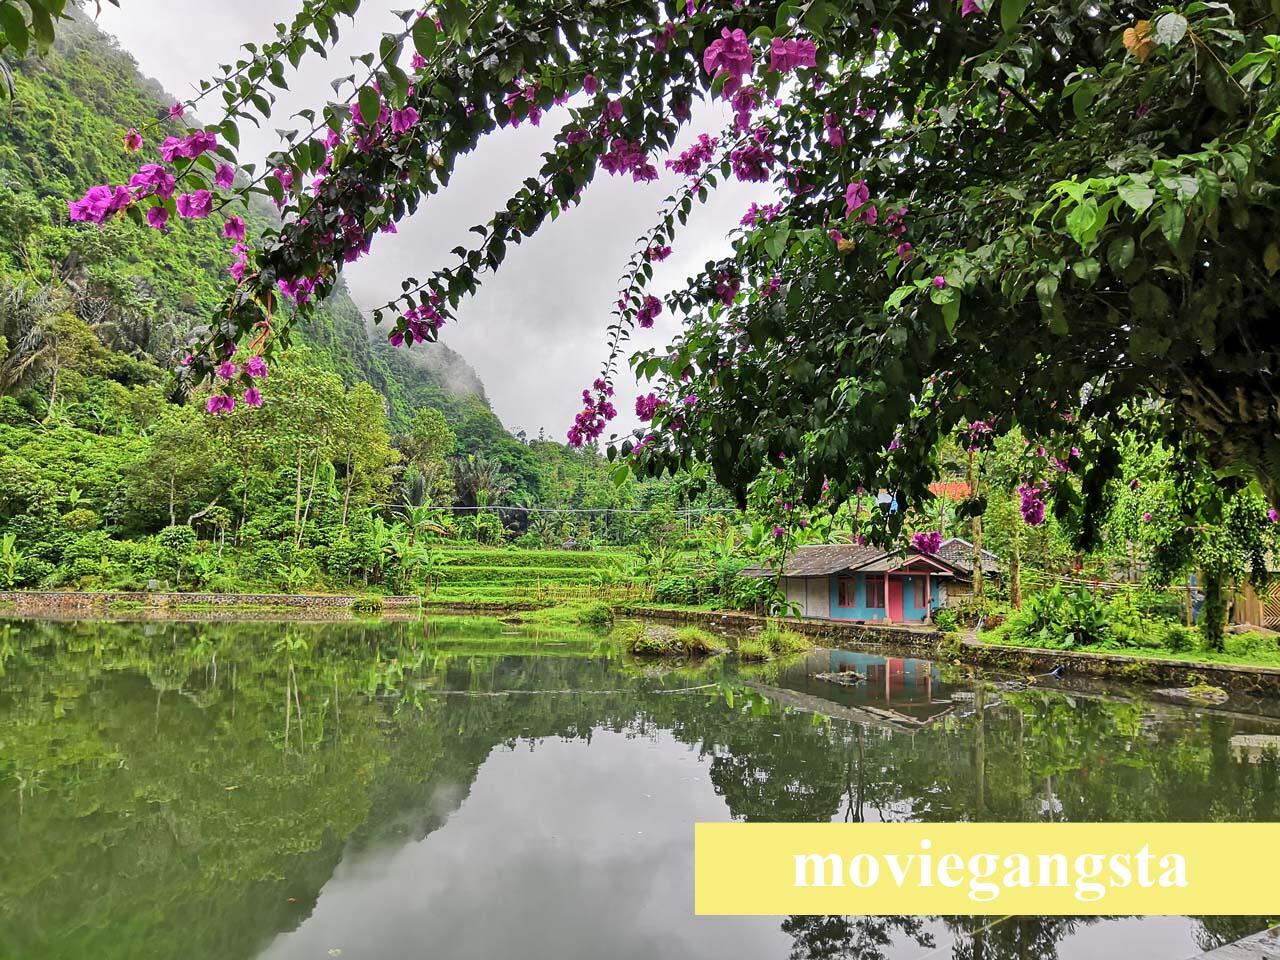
(852, 938)
(1012, 938)
(89, 715)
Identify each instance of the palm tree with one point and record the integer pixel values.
(481, 481)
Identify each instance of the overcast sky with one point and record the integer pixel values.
(536, 332)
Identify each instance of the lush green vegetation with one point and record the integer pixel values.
(363, 466)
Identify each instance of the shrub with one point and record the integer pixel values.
(1061, 619)
(679, 590)
(654, 640)
(369, 603)
(589, 613)
(774, 640)
(946, 620)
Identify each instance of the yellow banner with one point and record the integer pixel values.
(987, 868)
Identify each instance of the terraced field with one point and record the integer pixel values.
(510, 576)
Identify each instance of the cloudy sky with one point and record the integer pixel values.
(536, 333)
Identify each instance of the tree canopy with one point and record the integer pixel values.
(1054, 216)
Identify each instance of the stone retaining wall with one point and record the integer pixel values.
(1257, 681)
(833, 633)
(1260, 681)
(68, 601)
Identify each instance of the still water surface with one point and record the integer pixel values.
(460, 789)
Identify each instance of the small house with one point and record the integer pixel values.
(869, 584)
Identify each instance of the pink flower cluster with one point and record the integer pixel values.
(649, 311)
(419, 322)
(690, 162)
(657, 253)
(1032, 507)
(597, 410)
(833, 130)
(753, 161)
(786, 55)
(730, 56)
(760, 214)
(648, 406)
(188, 147)
(528, 92)
(627, 156)
(727, 286)
(927, 543)
(99, 204)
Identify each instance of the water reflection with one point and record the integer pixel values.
(259, 790)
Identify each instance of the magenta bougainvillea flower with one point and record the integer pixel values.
(196, 205)
(132, 140)
(99, 204)
(905, 252)
(647, 407)
(969, 7)
(657, 253)
(157, 217)
(590, 85)
(729, 55)
(752, 162)
(927, 543)
(253, 397)
(256, 367)
(177, 110)
(1032, 506)
(855, 195)
(220, 403)
(233, 229)
(940, 281)
(189, 147)
(833, 130)
(226, 370)
(224, 176)
(785, 55)
(402, 121)
(153, 178)
(649, 310)
(690, 162)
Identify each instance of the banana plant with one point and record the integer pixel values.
(10, 560)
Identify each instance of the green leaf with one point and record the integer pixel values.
(1218, 87)
(1120, 253)
(1149, 300)
(1136, 196)
(370, 104)
(948, 301)
(1011, 12)
(424, 36)
(15, 28)
(1087, 270)
(1082, 222)
(1170, 29)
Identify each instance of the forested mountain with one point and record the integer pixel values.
(109, 472)
(63, 135)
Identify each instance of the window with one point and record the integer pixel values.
(848, 596)
(875, 593)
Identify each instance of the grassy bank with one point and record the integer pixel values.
(1246, 649)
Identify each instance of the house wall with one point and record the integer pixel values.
(818, 597)
(860, 610)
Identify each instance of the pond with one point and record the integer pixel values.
(468, 789)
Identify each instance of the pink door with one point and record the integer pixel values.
(895, 600)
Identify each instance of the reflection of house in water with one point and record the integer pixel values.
(899, 692)
(1255, 747)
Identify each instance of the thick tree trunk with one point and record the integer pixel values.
(297, 496)
(311, 492)
(975, 527)
(1015, 569)
(346, 494)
